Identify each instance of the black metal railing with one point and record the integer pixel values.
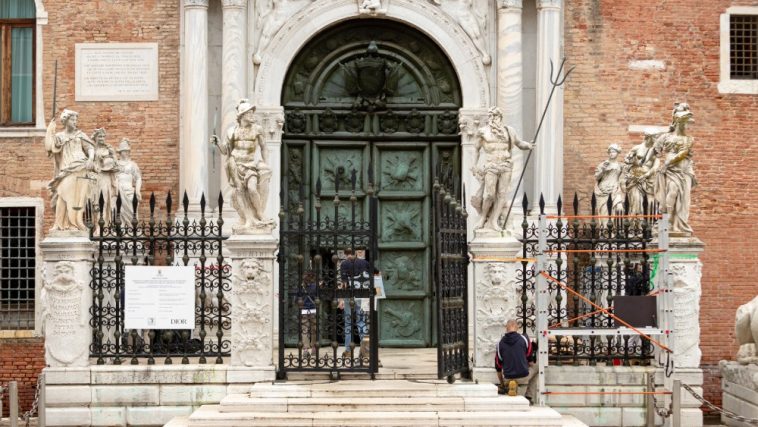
(326, 303)
(600, 257)
(170, 239)
(451, 282)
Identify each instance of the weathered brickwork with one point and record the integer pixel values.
(21, 360)
(604, 97)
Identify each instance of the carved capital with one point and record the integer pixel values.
(510, 4)
(233, 4)
(548, 4)
(195, 4)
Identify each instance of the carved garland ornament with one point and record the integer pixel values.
(251, 336)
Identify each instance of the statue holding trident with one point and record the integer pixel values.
(249, 176)
(497, 140)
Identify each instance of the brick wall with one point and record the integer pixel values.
(21, 360)
(153, 127)
(604, 96)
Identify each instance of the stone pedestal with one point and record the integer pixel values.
(496, 298)
(686, 271)
(739, 385)
(252, 260)
(65, 299)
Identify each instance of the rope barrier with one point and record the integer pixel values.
(608, 392)
(502, 259)
(620, 320)
(586, 251)
(602, 216)
(577, 318)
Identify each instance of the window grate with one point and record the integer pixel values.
(17, 267)
(743, 42)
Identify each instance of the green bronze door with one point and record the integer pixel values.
(403, 177)
(379, 98)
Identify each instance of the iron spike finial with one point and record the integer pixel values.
(135, 203)
(318, 189)
(576, 203)
(542, 204)
(560, 204)
(169, 203)
(220, 202)
(609, 204)
(525, 204)
(118, 203)
(152, 203)
(593, 203)
(185, 202)
(202, 204)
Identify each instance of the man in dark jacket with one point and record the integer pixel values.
(512, 360)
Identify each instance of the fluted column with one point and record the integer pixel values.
(233, 71)
(510, 85)
(194, 159)
(548, 165)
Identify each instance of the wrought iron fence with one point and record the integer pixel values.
(327, 311)
(601, 257)
(171, 239)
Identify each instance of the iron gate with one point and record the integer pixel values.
(171, 240)
(450, 278)
(325, 303)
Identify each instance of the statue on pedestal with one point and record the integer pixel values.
(608, 176)
(497, 141)
(249, 175)
(676, 175)
(639, 173)
(106, 168)
(129, 181)
(74, 155)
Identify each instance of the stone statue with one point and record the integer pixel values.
(106, 168)
(129, 181)
(608, 177)
(72, 183)
(248, 173)
(639, 173)
(497, 141)
(676, 176)
(746, 332)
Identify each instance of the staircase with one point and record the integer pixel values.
(373, 403)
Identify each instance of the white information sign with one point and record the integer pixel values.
(159, 297)
(116, 72)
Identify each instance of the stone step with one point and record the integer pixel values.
(360, 403)
(208, 416)
(377, 388)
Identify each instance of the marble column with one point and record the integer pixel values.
(510, 87)
(548, 162)
(233, 75)
(195, 136)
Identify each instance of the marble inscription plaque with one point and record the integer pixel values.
(116, 71)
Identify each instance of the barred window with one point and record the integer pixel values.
(17, 267)
(743, 51)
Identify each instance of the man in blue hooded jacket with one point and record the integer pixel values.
(512, 360)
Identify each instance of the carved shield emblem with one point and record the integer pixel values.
(371, 76)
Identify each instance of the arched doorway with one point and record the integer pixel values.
(380, 98)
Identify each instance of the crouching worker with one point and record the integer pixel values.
(512, 362)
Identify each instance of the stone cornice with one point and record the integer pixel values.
(510, 4)
(548, 4)
(195, 3)
(233, 4)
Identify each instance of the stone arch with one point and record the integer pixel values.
(423, 16)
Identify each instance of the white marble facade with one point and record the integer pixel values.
(256, 40)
